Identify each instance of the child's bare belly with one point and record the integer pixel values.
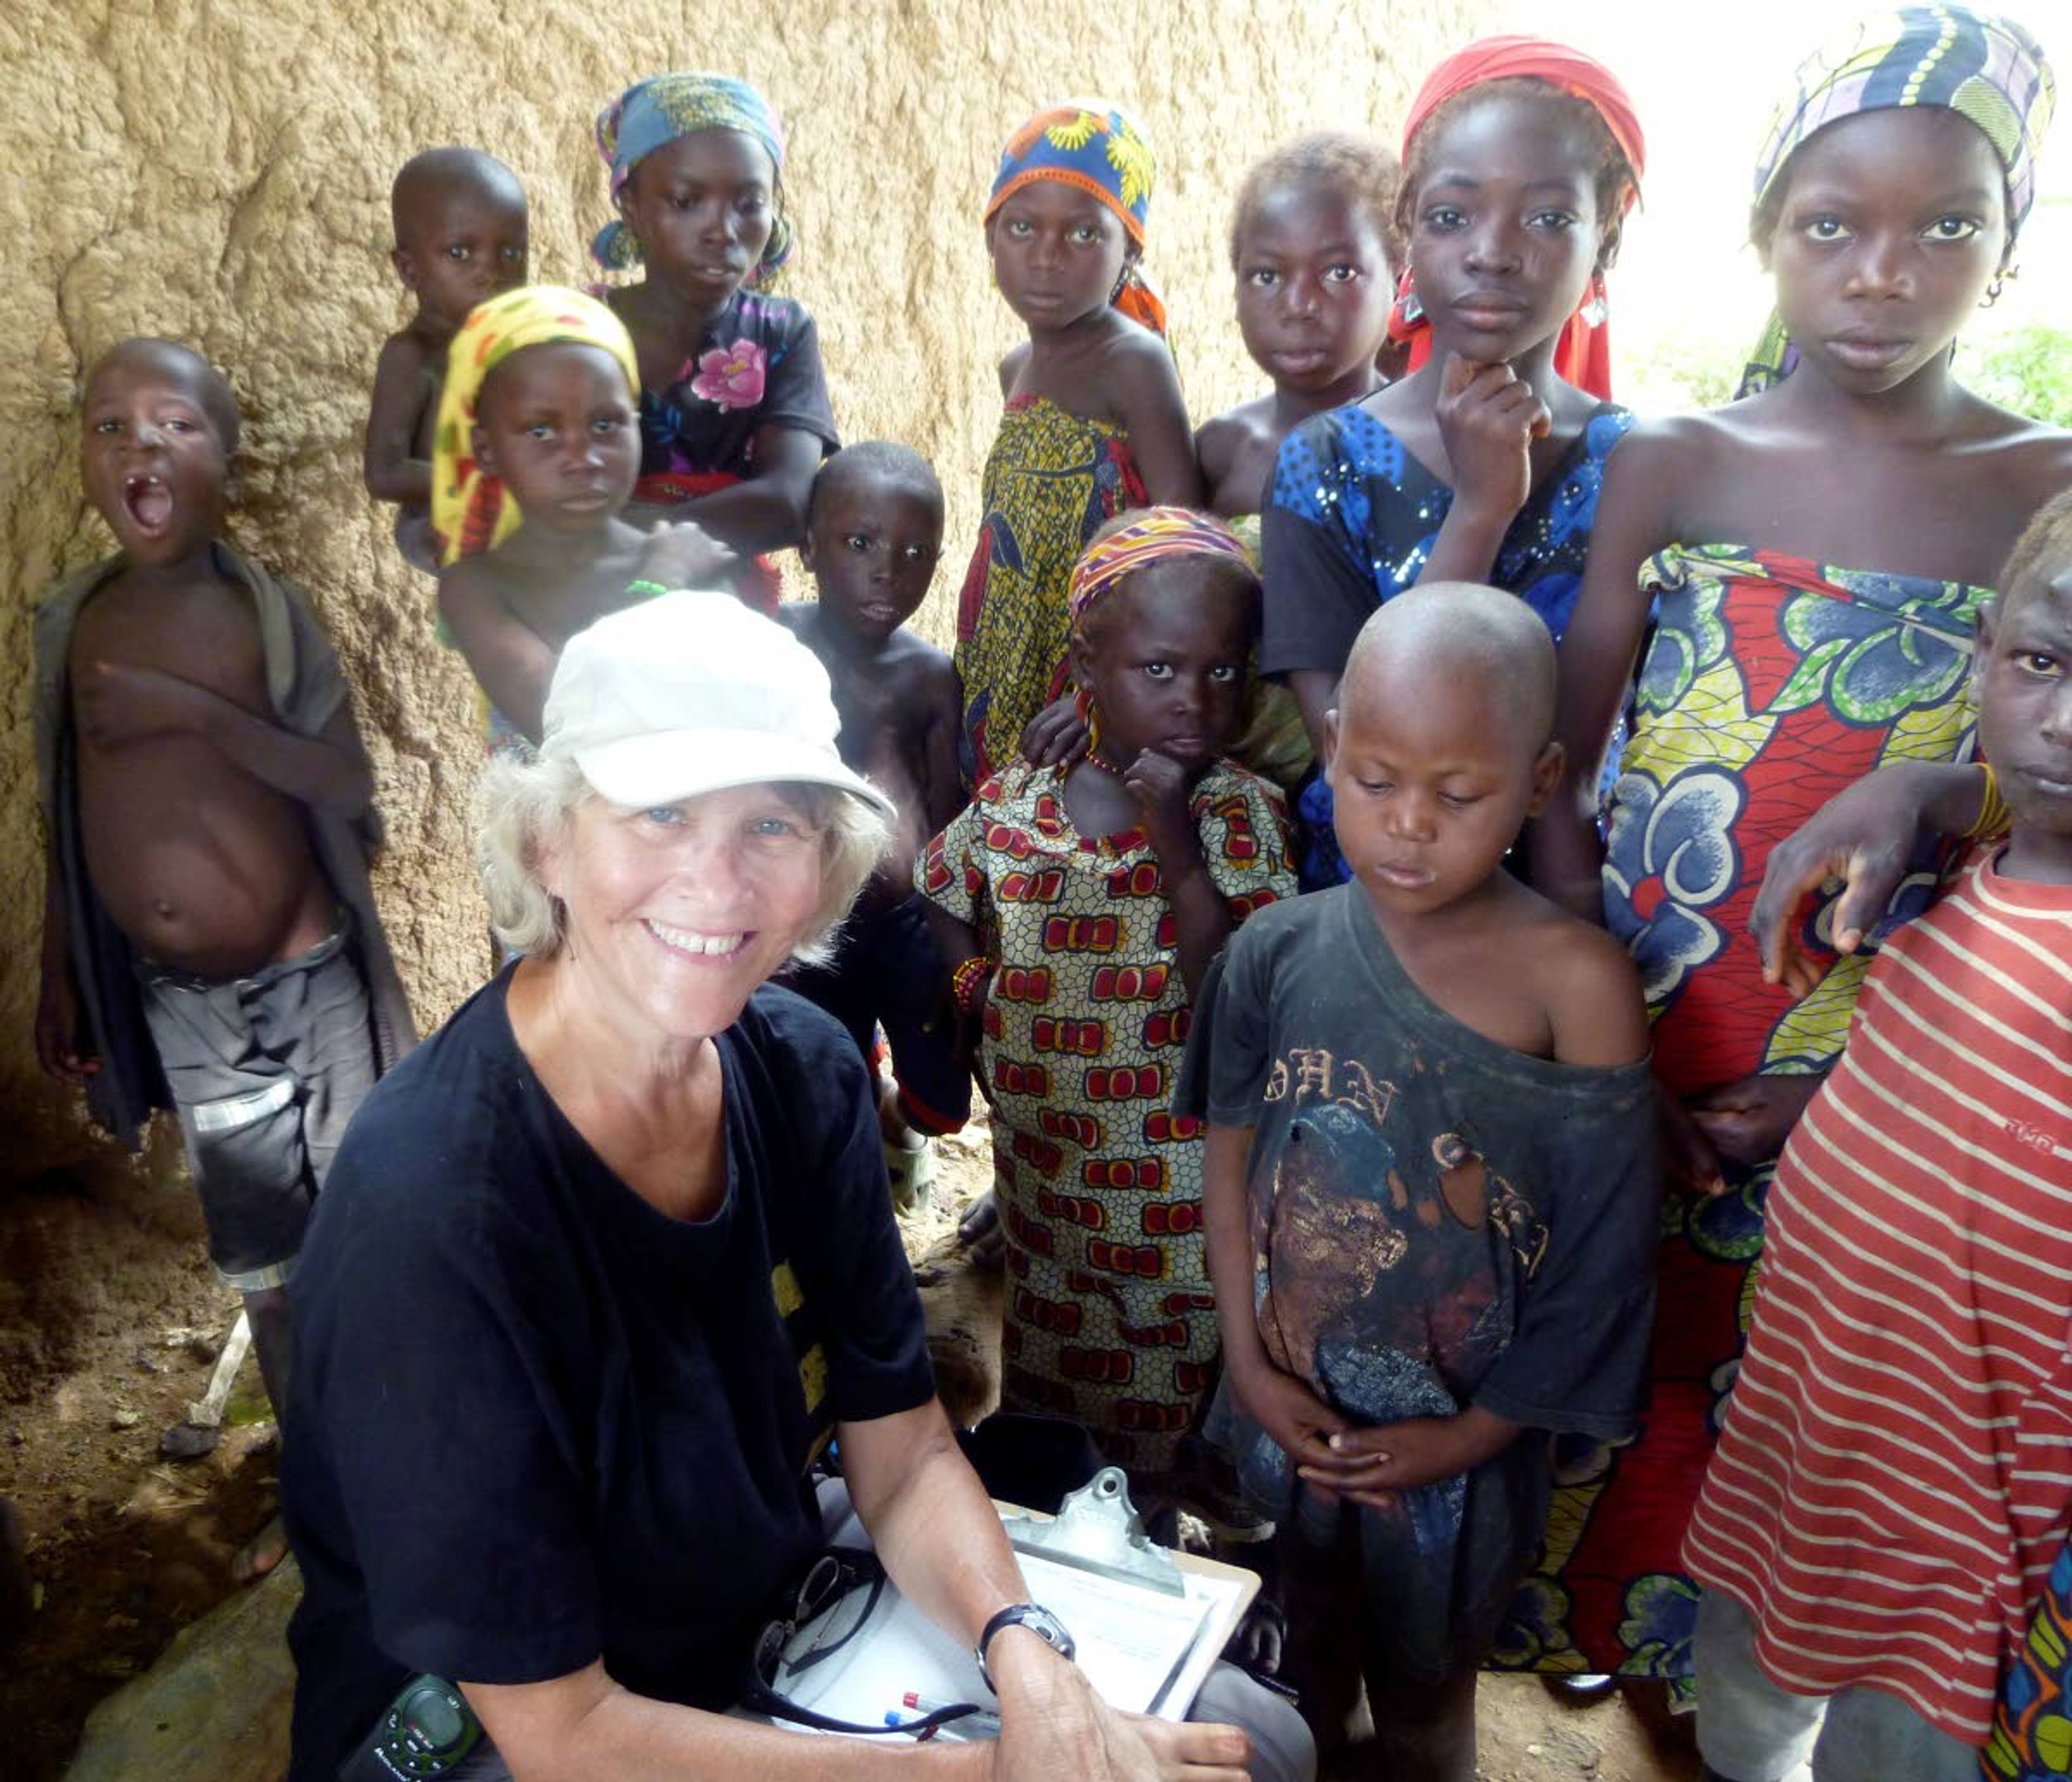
(205, 869)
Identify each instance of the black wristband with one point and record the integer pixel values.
(1045, 1626)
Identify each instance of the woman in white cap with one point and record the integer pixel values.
(601, 1268)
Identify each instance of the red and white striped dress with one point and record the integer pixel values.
(1895, 1477)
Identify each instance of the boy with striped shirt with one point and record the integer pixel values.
(1895, 1477)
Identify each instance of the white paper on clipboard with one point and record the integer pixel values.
(1146, 1651)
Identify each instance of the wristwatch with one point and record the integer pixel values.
(1045, 1626)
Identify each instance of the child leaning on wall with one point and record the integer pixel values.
(210, 938)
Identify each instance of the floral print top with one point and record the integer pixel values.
(760, 366)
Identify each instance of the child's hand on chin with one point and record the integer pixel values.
(1160, 786)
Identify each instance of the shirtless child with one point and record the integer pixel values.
(874, 532)
(210, 942)
(460, 221)
(542, 393)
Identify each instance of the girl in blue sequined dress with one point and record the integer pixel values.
(1520, 160)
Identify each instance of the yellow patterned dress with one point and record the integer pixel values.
(1051, 479)
(1109, 1318)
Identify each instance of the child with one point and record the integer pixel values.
(1312, 248)
(873, 533)
(1431, 1187)
(459, 217)
(734, 417)
(1095, 423)
(1521, 158)
(1085, 904)
(1773, 677)
(535, 457)
(1894, 1479)
(210, 941)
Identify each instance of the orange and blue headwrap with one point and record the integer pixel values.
(653, 113)
(1582, 355)
(1099, 148)
(1151, 536)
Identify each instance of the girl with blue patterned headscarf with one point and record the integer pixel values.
(732, 430)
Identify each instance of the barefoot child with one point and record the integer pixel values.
(210, 941)
(873, 533)
(1521, 158)
(535, 460)
(1312, 246)
(1894, 1479)
(1431, 1186)
(1085, 903)
(459, 217)
(734, 417)
(1095, 423)
(1815, 556)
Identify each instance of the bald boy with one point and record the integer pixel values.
(1430, 1196)
(461, 238)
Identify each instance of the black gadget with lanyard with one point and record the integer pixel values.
(833, 1604)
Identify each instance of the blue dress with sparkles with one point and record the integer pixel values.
(1349, 522)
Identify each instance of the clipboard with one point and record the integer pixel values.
(1149, 1623)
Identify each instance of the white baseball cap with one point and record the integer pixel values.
(691, 693)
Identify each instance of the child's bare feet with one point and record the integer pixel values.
(261, 1553)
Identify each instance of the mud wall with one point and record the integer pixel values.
(218, 170)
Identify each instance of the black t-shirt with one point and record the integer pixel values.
(536, 1422)
(1436, 1221)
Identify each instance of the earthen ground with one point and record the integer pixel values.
(96, 1292)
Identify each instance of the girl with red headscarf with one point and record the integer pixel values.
(1521, 158)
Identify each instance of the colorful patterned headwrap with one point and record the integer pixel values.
(1989, 70)
(1152, 535)
(1582, 355)
(653, 114)
(470, 511)
(1100, 149)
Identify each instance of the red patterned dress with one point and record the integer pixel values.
(1109, 1320)
(1769, 683)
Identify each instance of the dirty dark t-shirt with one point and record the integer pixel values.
(1437, 1221)
(536, 1422)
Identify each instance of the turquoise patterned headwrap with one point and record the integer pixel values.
(653, 114)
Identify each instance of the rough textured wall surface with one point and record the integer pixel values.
(218, 170)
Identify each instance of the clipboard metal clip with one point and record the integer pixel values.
(1097, 1528)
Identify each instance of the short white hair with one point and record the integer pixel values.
(524, 806)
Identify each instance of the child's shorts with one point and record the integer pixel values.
(886, 972)
(1751, 1730)
(266, 1071)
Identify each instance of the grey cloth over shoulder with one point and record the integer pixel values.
(305, 687)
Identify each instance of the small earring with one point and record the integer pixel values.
(1595, 309)
(1408, 304)
(1999, 284)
